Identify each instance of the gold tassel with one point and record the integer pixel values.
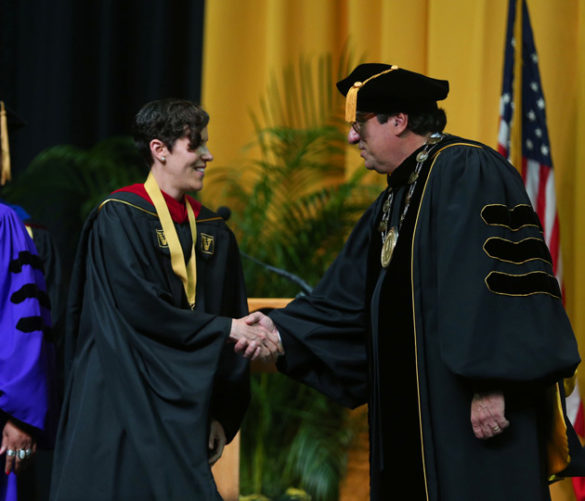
(5, 175)
(351, 102)
(351, 97)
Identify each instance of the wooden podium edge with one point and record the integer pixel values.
(259, 303)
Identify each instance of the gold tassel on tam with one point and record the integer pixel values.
(351, 102)
(351, 97)
(5, 175)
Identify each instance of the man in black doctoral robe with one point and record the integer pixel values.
(441, 312)
(153, 387)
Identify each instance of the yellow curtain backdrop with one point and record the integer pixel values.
(248, 42)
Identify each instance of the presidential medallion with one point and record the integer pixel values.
(388, 246)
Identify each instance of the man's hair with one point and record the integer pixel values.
(168, 120)
(421, 122)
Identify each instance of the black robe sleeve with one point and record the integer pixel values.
(325, 333)
(498, 309)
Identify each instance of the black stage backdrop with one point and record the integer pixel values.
(76, 71)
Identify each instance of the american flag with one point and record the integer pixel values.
(528, 111)
(531, 150)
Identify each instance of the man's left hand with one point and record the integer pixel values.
(217, 441)
(487, 414)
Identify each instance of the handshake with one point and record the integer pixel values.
(256, 337)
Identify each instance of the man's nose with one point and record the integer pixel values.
(353, 137)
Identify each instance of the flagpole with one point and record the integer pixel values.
(516, 131)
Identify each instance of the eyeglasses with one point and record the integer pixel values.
(360, 120)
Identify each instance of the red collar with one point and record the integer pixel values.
(177, 209)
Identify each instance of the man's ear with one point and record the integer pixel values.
(400, 122)
(158, 149)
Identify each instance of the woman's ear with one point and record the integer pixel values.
(158, 150)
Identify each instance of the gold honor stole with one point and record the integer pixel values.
(187, 273)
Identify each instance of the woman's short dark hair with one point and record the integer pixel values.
(168, 120)
(422, 122)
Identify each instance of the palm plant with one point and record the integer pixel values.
(293, 208)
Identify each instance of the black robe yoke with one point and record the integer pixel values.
(148, 372)
(468, 303)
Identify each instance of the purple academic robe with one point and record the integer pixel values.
(26, 357)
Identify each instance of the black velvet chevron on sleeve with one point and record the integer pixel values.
(25, 258)
(536, 282)
(518, 217)
(520, 252)
(31, 291)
